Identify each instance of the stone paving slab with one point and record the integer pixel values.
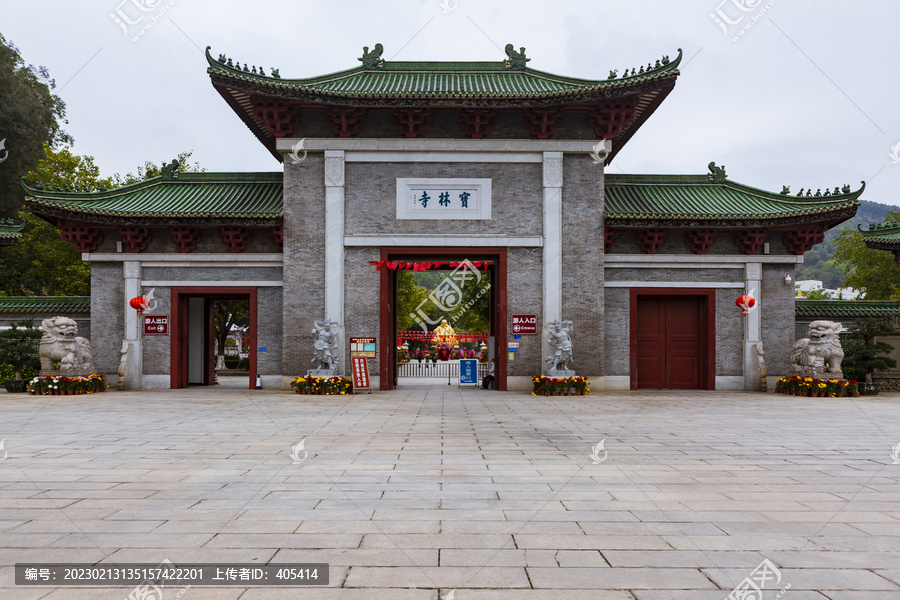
(418, 492)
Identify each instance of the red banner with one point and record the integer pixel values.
(424, 266)
(360, 373)
(428, 336)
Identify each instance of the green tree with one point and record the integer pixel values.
(150, 170)
(227, 314)
(862, 354)
(409, 296)
(30, 116)
(871, 271)
(820, 294)
(19, 347)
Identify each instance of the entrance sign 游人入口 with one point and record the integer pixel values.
(156, 324)
(365, 347)
(438, 198)
(360, 366)
(468, 371)
(524, 324)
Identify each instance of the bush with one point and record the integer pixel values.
(19, 348)
(862, 354)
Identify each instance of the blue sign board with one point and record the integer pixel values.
(517, 336)
(261, 349)
(468, 371)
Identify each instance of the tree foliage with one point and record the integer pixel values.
(863, 355)
(30, 116)
(19, 347)
(227, 314)
(868, 270)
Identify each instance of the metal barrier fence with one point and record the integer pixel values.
(441, 369)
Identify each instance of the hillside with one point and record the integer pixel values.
(815, 262)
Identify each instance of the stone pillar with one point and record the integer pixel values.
(334, 247)
(753, 326)
(132, 352)
(553, 180)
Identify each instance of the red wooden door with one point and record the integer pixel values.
(669, 349)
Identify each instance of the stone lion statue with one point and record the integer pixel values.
(60, 343)
(809, 356)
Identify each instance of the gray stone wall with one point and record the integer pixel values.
(83, 320)
(675, 244)
(304, 257)
(729, 333)
(582, 258)
(665, 275)
(269, 314)
(524, 295)
(617, 320)
(516, 198)
(777, 318)
(157, 359)
(190, 275)
(107, 315)
(362, 301)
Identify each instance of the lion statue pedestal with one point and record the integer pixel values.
(822, 348)
(61, 344)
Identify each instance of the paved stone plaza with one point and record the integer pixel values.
(414, 493)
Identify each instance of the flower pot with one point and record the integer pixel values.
(855, 394)
(869, 389)
(15, 386)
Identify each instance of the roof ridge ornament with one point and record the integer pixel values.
(716, 174)
(372, 60)
(169, 171)
(516, 60)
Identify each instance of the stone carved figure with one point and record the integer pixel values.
(560, 340)
(60, 343)
(326, 345)
(810, 356)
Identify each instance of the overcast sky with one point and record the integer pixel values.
(807, 96)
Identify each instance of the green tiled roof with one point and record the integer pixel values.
(388, 85)
(10, 231)
(191, 198)
(697, 201)
(441, 80)
(883, 236)
(43, 304)
(846, 308)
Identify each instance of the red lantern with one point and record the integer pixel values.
(745, 302)
(139, 303)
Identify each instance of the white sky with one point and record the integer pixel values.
(807, 97)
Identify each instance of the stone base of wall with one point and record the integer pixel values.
(156, 382)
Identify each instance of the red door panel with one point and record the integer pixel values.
(669, 348)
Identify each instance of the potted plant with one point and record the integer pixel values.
(863, 354)
(19, 348)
